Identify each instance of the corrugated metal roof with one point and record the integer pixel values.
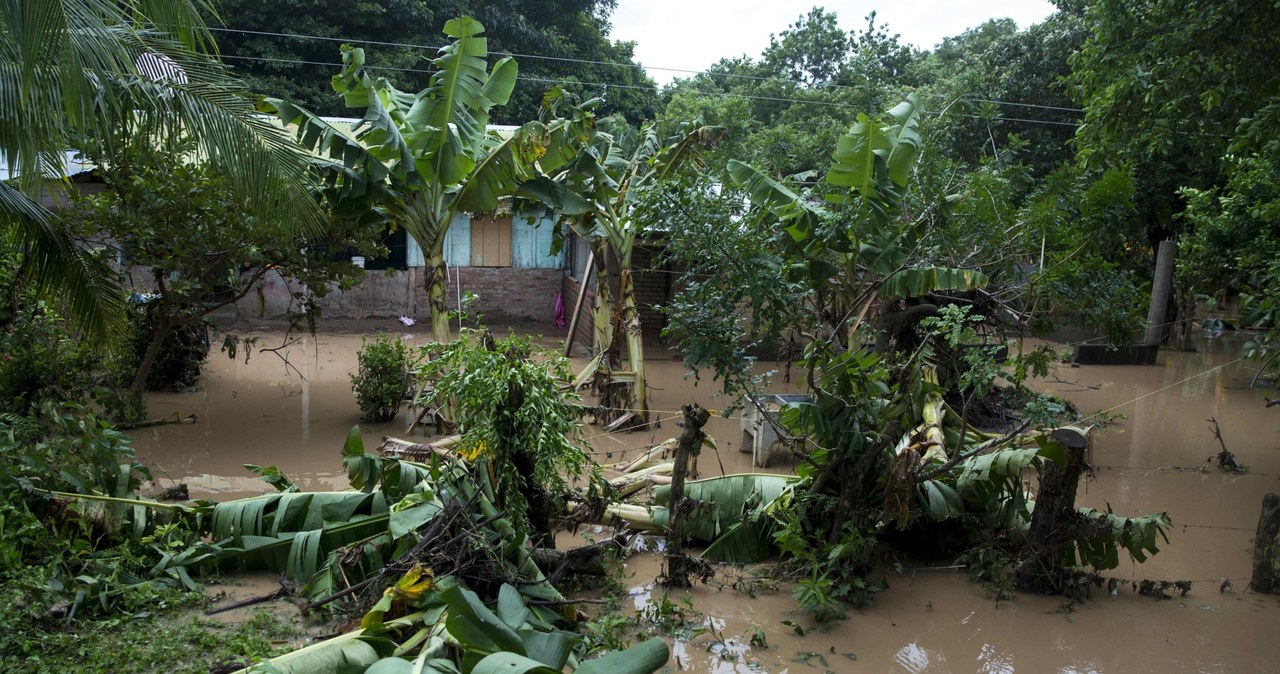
(72, 163)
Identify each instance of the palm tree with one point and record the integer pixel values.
(76, 74)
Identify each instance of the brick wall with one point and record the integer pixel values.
(653, 286)
(505, 295)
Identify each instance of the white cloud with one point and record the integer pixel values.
(693, 34)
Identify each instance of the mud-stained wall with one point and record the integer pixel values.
(504, 295)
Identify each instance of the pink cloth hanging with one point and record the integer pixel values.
(560, 321)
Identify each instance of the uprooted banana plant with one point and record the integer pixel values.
(402, 548)
(889, 461)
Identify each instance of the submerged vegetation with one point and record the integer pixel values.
(893, 257)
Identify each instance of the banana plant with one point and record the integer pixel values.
(424, 158)
(595, 193)
(869, 259)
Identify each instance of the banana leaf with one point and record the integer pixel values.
(511, 663)
(1135, 535)
(294, 532)
(733, 518)
(639, 659)
(920, 281)
(322, 657)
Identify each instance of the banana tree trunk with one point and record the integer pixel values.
(634, 333)
(437, 293)
(602, 315)
(603, 310)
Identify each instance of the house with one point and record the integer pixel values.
(502, 260)
(505, 262)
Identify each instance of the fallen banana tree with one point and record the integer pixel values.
(746, 518)
(401, 549)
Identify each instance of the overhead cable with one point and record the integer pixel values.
(615, 64)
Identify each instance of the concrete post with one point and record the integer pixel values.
(1160, 288)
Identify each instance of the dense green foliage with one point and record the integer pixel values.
(190, 241)
(903, 432)
(78, 73)
(160, 637)
(1178, 95)
(1235, 233)
(381, 379)
(182, 353)
(515, 419)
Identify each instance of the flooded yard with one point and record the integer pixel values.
(929, 620)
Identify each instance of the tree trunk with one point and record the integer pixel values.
(1053, 522)
(1264, 547)
(437, 293)
(633, 331)
(597, 559)
(1185, 306)
(680, 565)
(150, 355)
(603, 310)
(602, 315)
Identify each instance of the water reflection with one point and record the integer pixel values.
(992, 661)
(917, 659)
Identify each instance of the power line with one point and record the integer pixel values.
(642, 87)
(615, 64)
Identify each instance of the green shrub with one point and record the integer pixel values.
(382, 379)
(42, 363)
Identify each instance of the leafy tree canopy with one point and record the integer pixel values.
(1171, 86)
(570, 37)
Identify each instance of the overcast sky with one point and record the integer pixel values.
(693, 34)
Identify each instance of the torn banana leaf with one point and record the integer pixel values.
(734, 516)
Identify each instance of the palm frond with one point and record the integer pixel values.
(57, 268)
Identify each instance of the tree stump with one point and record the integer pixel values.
(1053, 522)
(679, 565)
(1264, 546)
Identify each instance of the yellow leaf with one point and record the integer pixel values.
(472, 452)
(413, 583)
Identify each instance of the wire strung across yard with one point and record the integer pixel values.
(1163, 388)
(722, 94)
(1182, 469)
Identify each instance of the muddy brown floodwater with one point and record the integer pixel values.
(928, 620)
